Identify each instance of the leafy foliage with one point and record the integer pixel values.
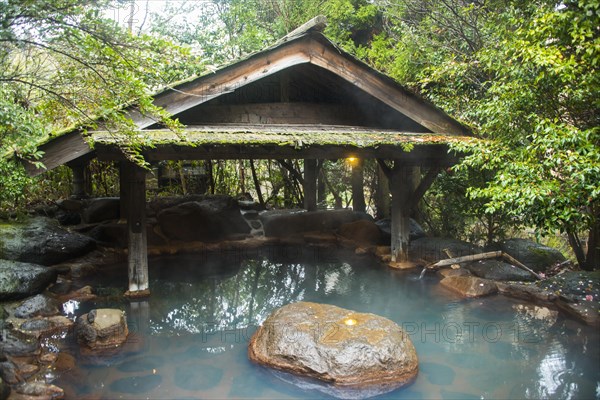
(63, 64)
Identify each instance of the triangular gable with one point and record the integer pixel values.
(308, 47)
(305, 45)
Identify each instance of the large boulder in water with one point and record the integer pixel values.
(335, 345)
(469, 286)
(283, 223)
(498, 271)
(534, 255)
(209, 220)
(41, 241)
(101, 330)
(19, 280)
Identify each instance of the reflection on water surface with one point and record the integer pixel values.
(190, 338)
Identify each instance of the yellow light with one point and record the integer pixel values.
(350, 321)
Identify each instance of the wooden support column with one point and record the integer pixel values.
(406, 194)
(321, 190)
(124, 190)
(401, 187)
(310, 184)
(81, 179)
(136, 228)
(358, 191)
(382, 194)
(78, 181)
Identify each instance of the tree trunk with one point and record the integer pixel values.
(382, 195)
(257, 184)
(310, 185)
(358, 192)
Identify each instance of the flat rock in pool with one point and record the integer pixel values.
(335, 345)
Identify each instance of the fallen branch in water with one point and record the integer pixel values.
(483, 256)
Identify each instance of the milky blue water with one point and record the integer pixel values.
(189, 339)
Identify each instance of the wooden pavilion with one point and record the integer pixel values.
(303, 98)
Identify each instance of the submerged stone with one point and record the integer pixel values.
(335, 345)
(469, 286)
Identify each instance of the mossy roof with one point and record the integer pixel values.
(281, 135)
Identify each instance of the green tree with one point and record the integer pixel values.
(63, 64)
(524, 76)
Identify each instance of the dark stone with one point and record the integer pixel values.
(335, 345)
(37, 305)
(532, 254)
(115, 234)
(19, 280)
(102, 209)
(37, 325)
(431, 249)
(362, 231)
(498, 271)
(72, 205)
(136, 384)
(66, 218)
(41, 241)
(15, 343)
(469, 286)
(201, 377)
(4, 390)
(9, 372)
(208, 220)
(47, 326)
(41, 390)
(385, 225)
(61, 287)
(283, 223)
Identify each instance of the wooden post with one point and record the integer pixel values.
(401, 187)
(124, 190)
(358, 192)
(321, 193)
(382, 194)
(79, 181)
(310, 184)
(136, 228)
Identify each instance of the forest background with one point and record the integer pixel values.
(522, 74)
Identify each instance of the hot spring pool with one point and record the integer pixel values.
(189, 339)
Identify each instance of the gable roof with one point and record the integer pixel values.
(305, 45)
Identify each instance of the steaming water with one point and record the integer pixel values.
(189, 340)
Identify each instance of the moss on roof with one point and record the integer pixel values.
(296, 136)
